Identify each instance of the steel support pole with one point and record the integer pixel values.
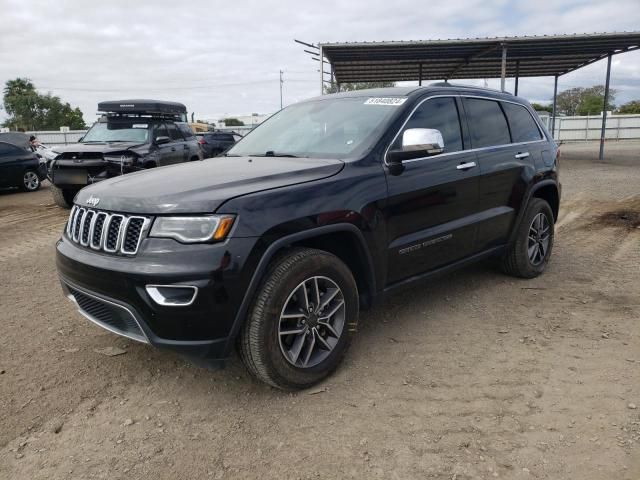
(504, 67)
(517, 77)
(420, 75)
(321, 72)
(604, 109)
(553, 112)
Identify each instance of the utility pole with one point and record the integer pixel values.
(281, 82)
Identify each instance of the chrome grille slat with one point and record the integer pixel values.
(112, 233)
(77, 224)
(72, 216)
(108, 232)
(133, 234)
(101, 218)
(85, 228)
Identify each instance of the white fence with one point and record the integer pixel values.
(571, 129)
(568, 129)
(54, 137)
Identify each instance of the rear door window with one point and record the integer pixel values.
(160, 131)
(174, 133)
(6, 149)
(186, 130)
(487, 123)
(523, 126)
(439, 114)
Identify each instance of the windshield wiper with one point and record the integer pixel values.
(271, 153)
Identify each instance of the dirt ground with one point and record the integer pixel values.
(476, 375)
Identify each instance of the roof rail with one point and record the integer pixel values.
(460, 85)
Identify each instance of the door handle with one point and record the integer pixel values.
(521, 155)
(466, 166)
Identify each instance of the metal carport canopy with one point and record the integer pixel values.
(499, 57)
(531, 56)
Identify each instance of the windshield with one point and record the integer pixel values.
(332, 128)
(117, 132)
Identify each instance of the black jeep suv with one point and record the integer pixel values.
(275, 247)
(131, 135)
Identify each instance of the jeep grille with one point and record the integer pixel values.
(108, 232)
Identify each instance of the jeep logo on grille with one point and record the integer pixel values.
(93, 201)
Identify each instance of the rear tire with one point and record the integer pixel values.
(529, 254)
(320, 297)
(63, 197)
(30, 181)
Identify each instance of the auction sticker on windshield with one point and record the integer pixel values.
(385, 101)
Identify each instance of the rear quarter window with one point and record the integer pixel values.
(523, 126)
(487, 123)
(186, 130)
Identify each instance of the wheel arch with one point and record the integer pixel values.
(353, 252)
(547, 190)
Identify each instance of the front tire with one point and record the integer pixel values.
(302, 319)
(63, 197)
(529, 254)
(30, 181)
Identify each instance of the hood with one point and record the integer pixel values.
(202, 186)
(96, 147)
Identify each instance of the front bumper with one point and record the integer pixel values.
(110, 290)
(67, 173)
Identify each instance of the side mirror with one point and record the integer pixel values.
(161, 140)
(417, 143)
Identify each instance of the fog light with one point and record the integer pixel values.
(172, 295)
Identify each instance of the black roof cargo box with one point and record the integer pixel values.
(144, 107)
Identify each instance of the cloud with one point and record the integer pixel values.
(224, 58)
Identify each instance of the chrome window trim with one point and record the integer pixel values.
(453, 95)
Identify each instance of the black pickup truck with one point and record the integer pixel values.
(317, 213)
(132, 135)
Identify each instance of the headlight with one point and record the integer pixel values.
(205, 228)
(127, 158)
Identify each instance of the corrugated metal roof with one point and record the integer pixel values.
(530, 56)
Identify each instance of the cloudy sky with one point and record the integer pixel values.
(223, 57)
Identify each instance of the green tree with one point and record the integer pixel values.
(30, 110)
(348, 87)
(233, 122)
(632, 107)
(584, 101)
(538, 107)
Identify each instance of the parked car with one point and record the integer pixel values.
(132, 135)
(19, 168)
(318, 212)
(213, 144)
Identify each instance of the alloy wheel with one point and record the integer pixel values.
(30, 181)
(539, 239)
(311, 322)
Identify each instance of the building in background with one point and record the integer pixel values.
(250, 120)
